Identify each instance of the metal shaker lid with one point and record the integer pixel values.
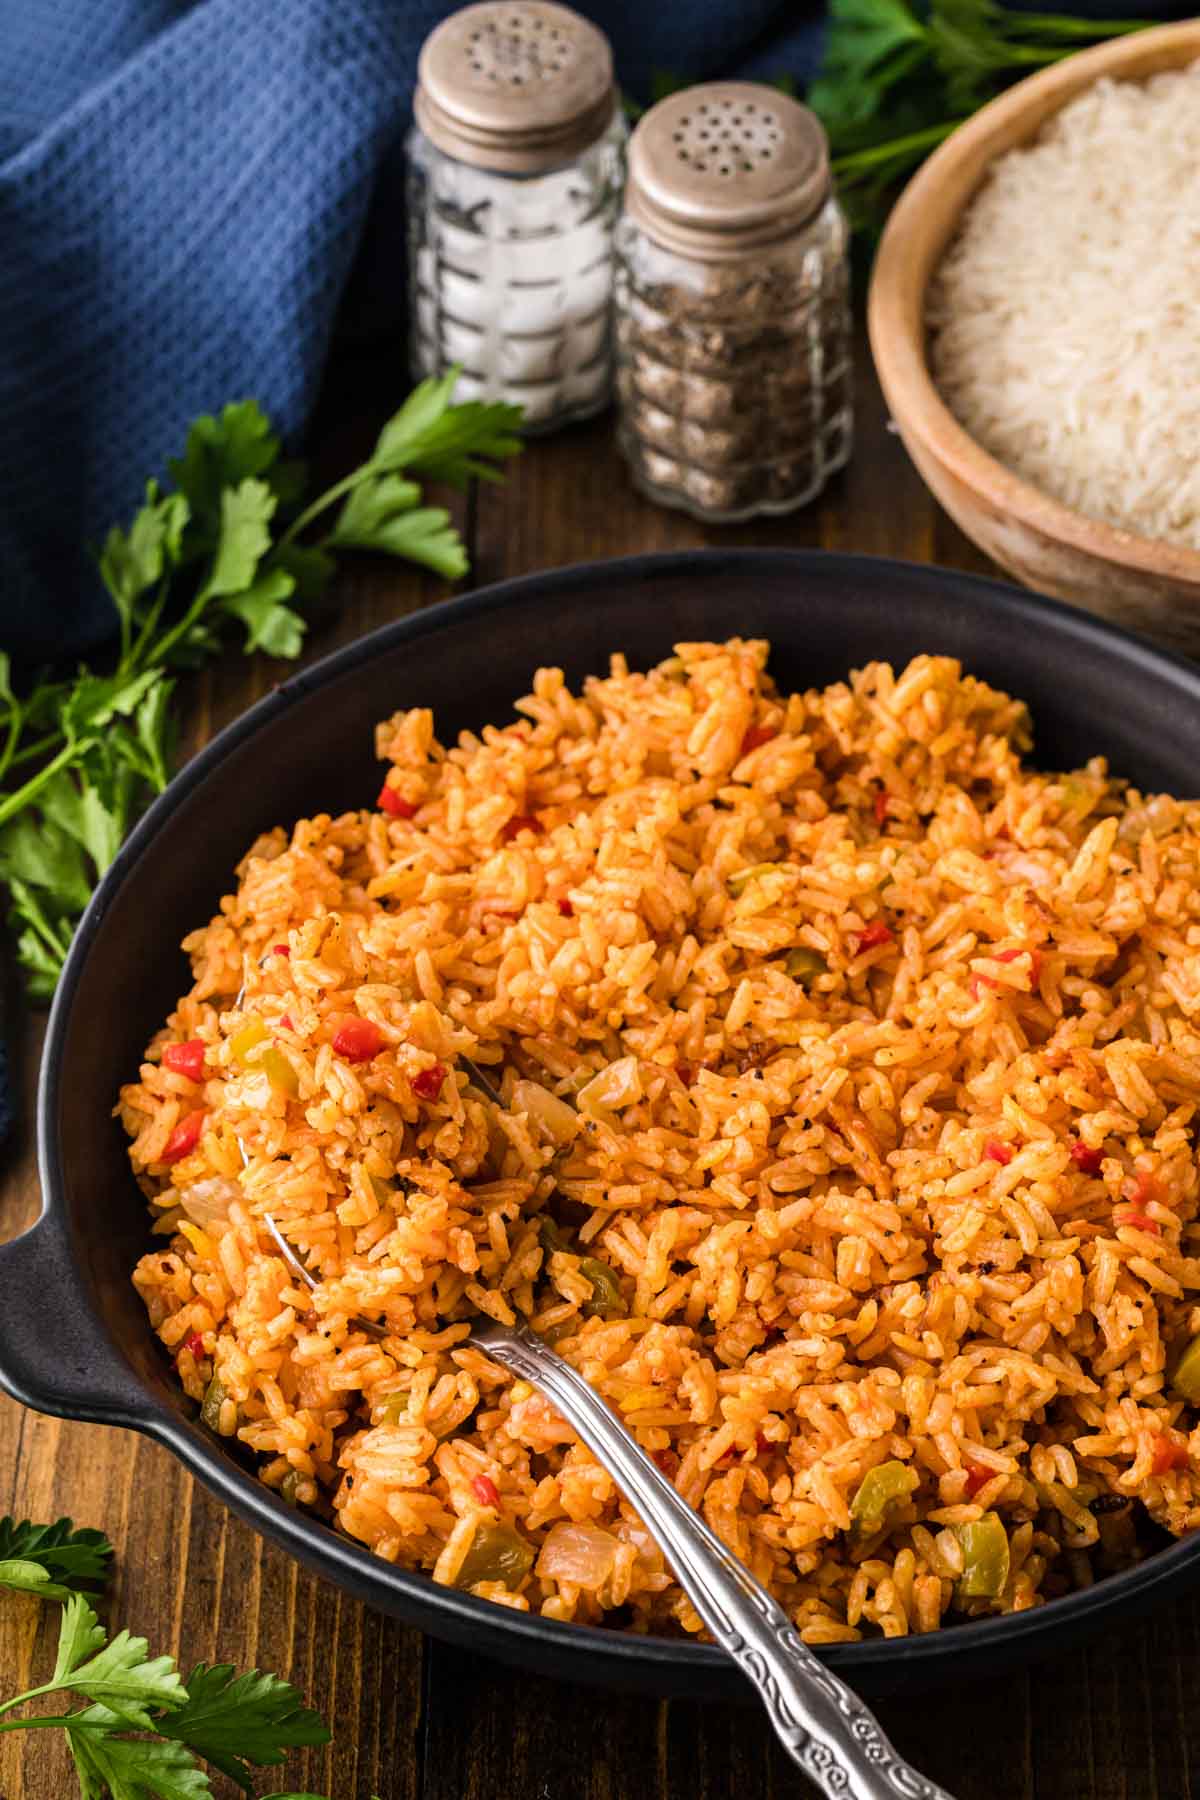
(519, 86)
(717, 169)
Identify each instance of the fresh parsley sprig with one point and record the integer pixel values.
(52, 1561)
(229, 548)
(897, 78)
(144, 1730)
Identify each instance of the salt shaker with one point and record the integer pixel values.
(732, 304)
(515, 166)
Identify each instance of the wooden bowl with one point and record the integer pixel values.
(1141, 582)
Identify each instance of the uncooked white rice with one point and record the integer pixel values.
(1065, 319)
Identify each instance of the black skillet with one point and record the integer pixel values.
(74, 1340)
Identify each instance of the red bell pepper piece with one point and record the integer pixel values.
(184, 1138)
(427, 1083)
(186, 1058)
(358, 1040)
(395, 804)
(873, 935)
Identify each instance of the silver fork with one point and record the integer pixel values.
(822, 1724)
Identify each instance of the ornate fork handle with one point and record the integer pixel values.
(822, 1724)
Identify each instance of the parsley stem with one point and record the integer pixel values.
(60, 1722)
(16, 721)
(33, 1694)
(58, 946)
(132, 656)
(28, 752)
(325, 500)
(857, 161)
(20, 797)
(180, 629)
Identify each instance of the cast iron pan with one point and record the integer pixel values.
(73, 1337)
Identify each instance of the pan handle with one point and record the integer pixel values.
(55, 1353)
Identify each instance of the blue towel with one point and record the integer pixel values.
(185, 189)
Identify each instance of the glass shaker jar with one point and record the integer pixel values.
(514, 181)
(732, 297)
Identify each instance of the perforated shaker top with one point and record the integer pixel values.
(716, 169)
(517, 87)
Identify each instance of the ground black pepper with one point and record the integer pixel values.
(733, 322)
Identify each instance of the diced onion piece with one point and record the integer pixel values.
(632, 1531)
(620, 1084)
(581, 1554)
(547, 1111)
(207, 1203)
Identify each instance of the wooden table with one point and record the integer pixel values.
(413, 1720)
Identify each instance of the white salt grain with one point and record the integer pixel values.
(1065, 318)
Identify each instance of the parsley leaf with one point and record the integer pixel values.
(133, 561)
(382, 514)
(309, 567)
(119, 1675)
(31, 1578)
(82, 813)
(130, 1768)
(99, 699)
(270, 625)
(143, 1731)
(80, 1634)
(234, 1720)
(43, 943)
(221, 453)
(156, 732)
(448, 443)
(897, 78)
(44, 856)
(243, 538)
(371, 504)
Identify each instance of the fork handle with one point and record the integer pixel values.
(824, 1726)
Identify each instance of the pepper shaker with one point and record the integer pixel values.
(515, 166)
(732, 303)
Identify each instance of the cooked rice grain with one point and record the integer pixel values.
(929, 1200)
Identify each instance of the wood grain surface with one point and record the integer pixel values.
(412, 1719)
